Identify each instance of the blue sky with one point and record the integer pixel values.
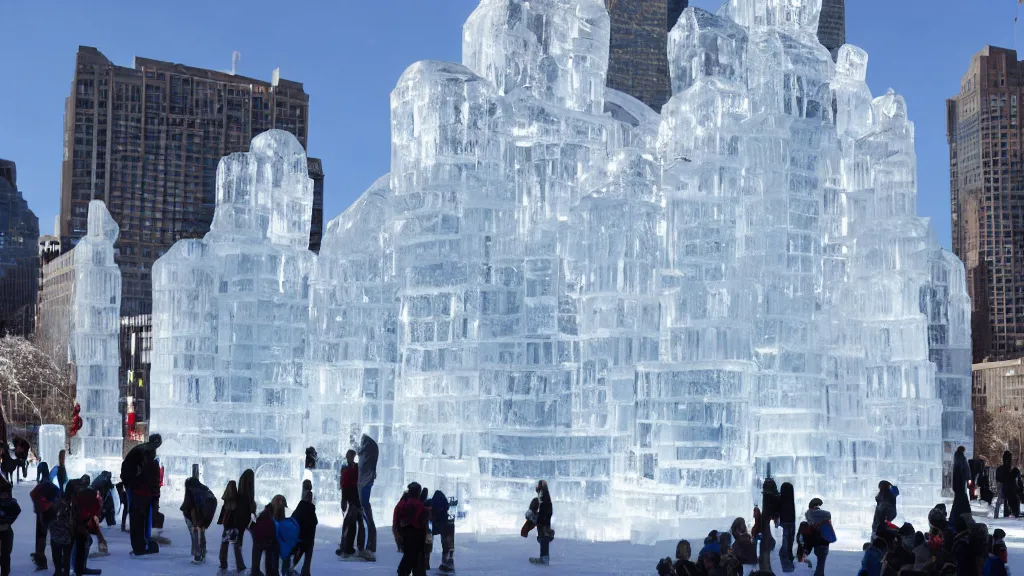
(350, 53)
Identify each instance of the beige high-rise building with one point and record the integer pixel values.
(147, 140)
(987, 198)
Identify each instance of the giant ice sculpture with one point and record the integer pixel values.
(230, 325)
(556, 282)
(95, 348)
(649, 310)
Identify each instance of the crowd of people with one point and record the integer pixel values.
(955, 544)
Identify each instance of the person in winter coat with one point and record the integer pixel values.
(245, 511)
(901, 552)
(411, 519)
(787, 517)
(305, 516)
(711, 545)
(871, 563)
(59, 475)
(104, 486)
(264, 537)
(1003, 486)
(198, 508)
(730, 564)
(995, 564)
(9, 512)
(712, 564)
(353, 531)
(231, 536)
(442, 523)
(683, 566)
(742, 543)
(287, 542)
(368, 453)
(87, 507)
(428, 535)
(816, 517)
(45, 497)
(961, 476)
(394, 523)
(21, 452)
(144, 490)
(885, 505)
(544, 532)
(62, 529)
(986, 494)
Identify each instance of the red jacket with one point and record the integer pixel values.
(411, 513)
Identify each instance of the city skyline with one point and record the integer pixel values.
(326, 64)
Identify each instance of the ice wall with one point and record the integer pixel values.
(95, 348)
(231, 324)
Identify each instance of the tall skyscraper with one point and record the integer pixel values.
(19, 261)
(638, 54)
(147, 140)
(832, 25)
(987, 198)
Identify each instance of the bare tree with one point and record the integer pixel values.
(34, 390)
(996, 432)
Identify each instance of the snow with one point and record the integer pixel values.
(475, 555)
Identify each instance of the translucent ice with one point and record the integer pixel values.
(230, 324)
(51, 442)
(95, 348)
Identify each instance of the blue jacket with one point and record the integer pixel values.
(287, 535)
(871, 563)
(994, 566)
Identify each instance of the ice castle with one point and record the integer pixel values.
(556, 282)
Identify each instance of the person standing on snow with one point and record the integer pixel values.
(411, 520)
(885, 506)
(198, 508)
(45, 498)
(787, 517)
(305, 516)
(353, 529)
(368, 453)
(231, 535)
(961, 475)
(817, 518)
(1003, 485)
(544, 532)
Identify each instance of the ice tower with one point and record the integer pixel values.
(231, 323)
(95, 348)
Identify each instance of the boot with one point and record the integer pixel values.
(542, 561)
(369, 556)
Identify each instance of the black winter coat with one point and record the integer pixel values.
(305, 515)
(545, 511)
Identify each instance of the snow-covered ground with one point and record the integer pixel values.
(479, 557)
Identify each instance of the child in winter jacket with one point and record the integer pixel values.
(683, 566)
(9, 512)
(353, 529)
(264, 537)
(230, 535)
(305, 515)
(394, 523)
(428, 536)
(885, 505)
(742, 544)
(816, 519)
(544, 532)
(871, 563)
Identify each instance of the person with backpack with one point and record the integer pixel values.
(287, 541)
(265, 546)
(368, 453)
(230, 536)
(62, 540)
(353, 531)
(544, 532)
(198, 507)
(305, 515)
(730, 564)
(86, 507)
(442, 523)
(9, 512)
(817, 534)
(45, 498)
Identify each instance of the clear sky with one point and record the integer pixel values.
(350, 53)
